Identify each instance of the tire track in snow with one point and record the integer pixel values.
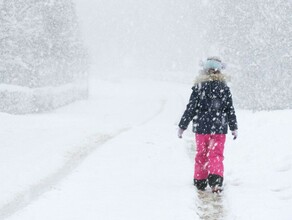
(22, 199)
(160, 110)
(75, 158)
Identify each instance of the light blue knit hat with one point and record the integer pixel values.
(213, 63)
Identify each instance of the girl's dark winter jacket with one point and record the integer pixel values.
(210, 106)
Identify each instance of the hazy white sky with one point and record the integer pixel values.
(134, 34)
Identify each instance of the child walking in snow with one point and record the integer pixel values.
(211, 109)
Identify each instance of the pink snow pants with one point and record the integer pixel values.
(209, 155)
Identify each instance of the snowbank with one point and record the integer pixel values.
(21, 100)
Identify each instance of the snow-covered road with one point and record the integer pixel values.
(116, 156)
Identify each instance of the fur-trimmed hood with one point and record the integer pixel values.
(207, 77)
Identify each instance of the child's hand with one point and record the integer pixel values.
(235, 134)
(180, 132)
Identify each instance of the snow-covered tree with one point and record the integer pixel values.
(40, 46)
(255, 37)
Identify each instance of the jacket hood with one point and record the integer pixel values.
(208, 77)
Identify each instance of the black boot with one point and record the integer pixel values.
(200, 184)
(215, 182)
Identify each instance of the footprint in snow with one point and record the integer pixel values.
(283, 192)
(283, 167)
(281, 188)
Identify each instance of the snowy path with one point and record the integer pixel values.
(133, 166)
(142, 169)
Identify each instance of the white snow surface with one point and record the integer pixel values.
(116, 156)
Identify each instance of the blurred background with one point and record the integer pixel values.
(56, 43)
(254, 38)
